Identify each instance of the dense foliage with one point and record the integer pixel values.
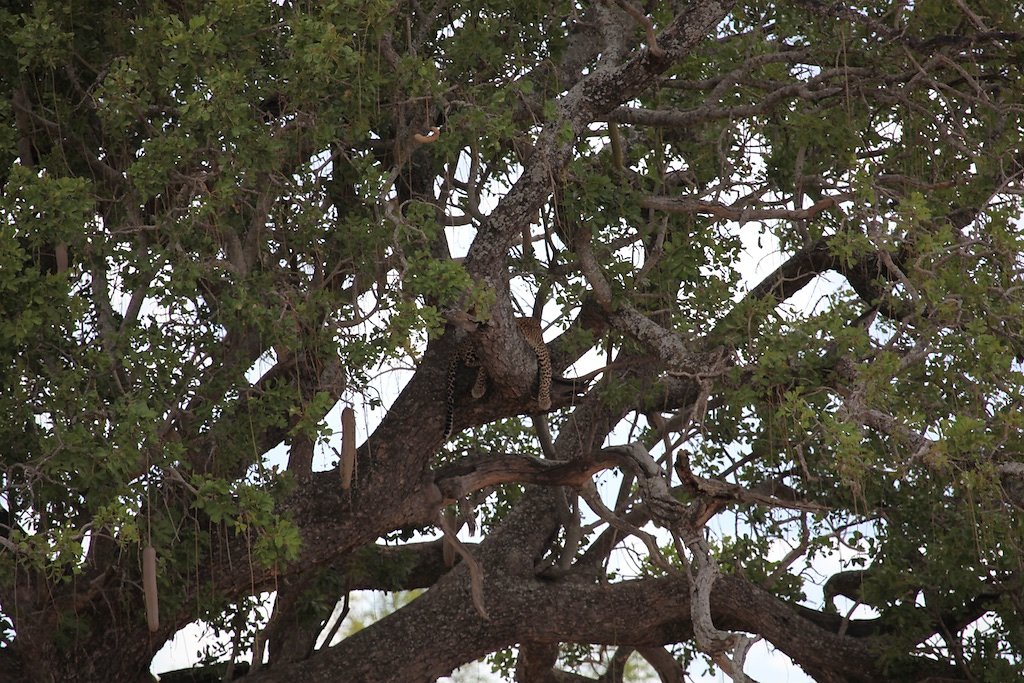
(223, 222)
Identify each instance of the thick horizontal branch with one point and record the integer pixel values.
(477, 472)
(681, 119)
(741, 214)
(642, 613)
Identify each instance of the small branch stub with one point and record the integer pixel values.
(422, 139)
(645, 21)
(476, 572)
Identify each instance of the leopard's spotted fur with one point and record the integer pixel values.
(467, 356)
(531, 330)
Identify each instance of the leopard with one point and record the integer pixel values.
(467, 355)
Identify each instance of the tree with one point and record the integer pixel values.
(224, 221)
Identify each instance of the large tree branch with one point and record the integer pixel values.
(593, 96)
(645, 613)
(399, 448)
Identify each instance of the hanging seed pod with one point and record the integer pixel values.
(347, 467)
(149, 588)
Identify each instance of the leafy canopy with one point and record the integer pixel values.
(222, 221)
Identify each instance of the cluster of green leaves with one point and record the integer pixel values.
(202, 105)
(781, 411)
